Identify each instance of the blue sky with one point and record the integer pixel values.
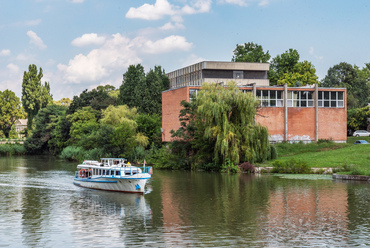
(81, 44)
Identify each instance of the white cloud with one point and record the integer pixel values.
(170, 26)
(5, 52)
(88, 39)
(34, 39)
(163, 8)
(11, 79)
(12, 68)
(264, 3)
(157, 11)
(245, 3)
(77, 1)
(168, 44)
(32, 22)
(116, 53)
(109, 62)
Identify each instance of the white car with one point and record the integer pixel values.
(361, 133)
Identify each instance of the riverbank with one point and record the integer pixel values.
(345, 158)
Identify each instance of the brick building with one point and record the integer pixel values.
(305, 113)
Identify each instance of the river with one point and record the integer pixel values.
(40, 207)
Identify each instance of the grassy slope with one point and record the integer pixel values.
(329, 155)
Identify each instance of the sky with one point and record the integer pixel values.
(81, 44)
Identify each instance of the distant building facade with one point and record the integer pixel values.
(304, 114)
(20, 125)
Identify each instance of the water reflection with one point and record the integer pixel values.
(40, 207)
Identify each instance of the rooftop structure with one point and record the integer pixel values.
(220, 72)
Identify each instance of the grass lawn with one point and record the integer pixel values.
(355, 159)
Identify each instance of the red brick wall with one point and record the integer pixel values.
(171, 109)
(333, 123)
(273, 118)
(301, 121)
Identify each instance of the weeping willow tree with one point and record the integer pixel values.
(225, 119)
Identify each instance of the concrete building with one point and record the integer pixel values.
(304, 114)
(219, 72)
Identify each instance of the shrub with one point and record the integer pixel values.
(320, 141)
(75, 153)
(10, 149)
(229, 166)
(247, 167)
(162, 159)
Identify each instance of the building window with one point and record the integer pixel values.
(331, 99)
(300, 99)
(238, 75)
(192, 93)
(270, 98)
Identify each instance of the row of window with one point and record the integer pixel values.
(110, 172)
(275, 98)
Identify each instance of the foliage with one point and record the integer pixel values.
(357, 118)
(227, 122)
(291, 167)
(218, 129)
(150, 126)
(10, 110)
(63, 102)
(344, 75)
(162, 158)
(12, 149)
(143, 91)
(45, 133)
(286, 69)
(73, 153)
(97, 99)
(34, 95)
(114, 116)
(13, 133)
(250, 52)
(84, 122)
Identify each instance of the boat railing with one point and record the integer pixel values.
(119, 172)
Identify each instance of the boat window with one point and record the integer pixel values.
(118, 173)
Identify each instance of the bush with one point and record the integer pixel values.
(162, 159)
(10, 149)
(291, 167)
(247, 167)
(73, 153)
(229, 166)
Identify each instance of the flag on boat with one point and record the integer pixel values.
(144, 162)
(151, 170)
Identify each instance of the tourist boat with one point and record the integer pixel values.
(112, 174)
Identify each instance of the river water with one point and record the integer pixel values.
(40, 207)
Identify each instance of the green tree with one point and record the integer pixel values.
(134, 76)
(10, 110)
(143, 91)
(222, 129)
(34, 95)
(150, 126)
(44, 136)
(344, 75)
(63, 102)
(97, 99)
(357, 118)
(286, 68)
(84, 123)
(250, 52)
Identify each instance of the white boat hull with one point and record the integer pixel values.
(133, 184)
